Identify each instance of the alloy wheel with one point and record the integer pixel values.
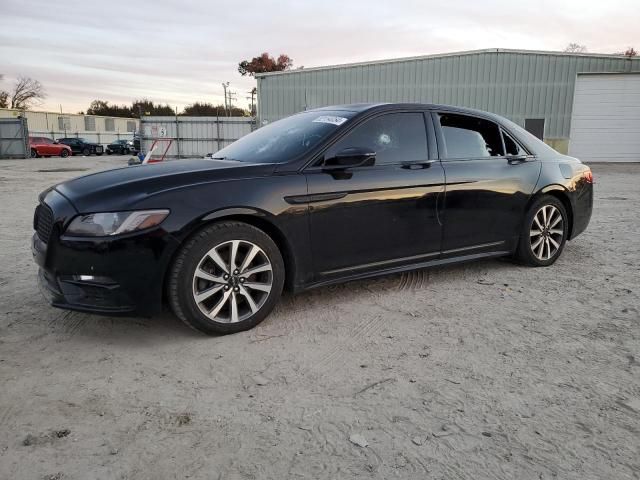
(546, 233)
(232, 281)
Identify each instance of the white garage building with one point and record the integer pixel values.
(605, 123)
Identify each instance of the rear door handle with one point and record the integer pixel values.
(515, 160)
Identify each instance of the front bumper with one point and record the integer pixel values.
(112, 276)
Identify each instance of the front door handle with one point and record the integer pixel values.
(418, 165)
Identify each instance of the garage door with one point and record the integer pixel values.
(605, 124)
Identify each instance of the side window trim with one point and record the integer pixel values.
(442, 146)
(316, 163)
(504, 132)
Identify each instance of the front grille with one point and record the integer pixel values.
(43, 222)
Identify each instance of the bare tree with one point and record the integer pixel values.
(26, 93)
(4, 96)
(629, 52)
(575, 48)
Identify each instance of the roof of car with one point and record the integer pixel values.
(363, 107)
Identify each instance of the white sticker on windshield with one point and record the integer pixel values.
(330, 119)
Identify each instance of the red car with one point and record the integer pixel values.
(45, 147)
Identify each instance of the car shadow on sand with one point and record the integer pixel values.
(167, 328)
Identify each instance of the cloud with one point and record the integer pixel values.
(178, 52)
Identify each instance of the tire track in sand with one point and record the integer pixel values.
(363, 330)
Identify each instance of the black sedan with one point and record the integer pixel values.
(324, 196)
(121, 147)
(82, 146)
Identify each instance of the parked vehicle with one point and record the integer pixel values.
(121, 147)
(324, 196)
(82, 146)
(46, 147)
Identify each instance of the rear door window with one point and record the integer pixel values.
(470, 137)
(395, 137)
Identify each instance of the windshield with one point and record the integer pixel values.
(286, 139)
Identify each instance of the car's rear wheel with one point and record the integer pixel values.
(544, 232)
(86, 152)
(227, 278)
(64, 153)
(34, 153)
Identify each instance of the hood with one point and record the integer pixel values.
(122, 188)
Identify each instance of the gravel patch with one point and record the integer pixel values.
(486, 370)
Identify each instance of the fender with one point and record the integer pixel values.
(228, 212)
(553, 188)
(564, 195)
(262, 220)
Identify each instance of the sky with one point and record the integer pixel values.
(178, 52)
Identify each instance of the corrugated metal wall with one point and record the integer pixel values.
(47, 124)
(517, 85)
(14, 141)
(194, 136)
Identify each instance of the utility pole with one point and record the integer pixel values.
(253, 94)
(232, 96)
(225, 85)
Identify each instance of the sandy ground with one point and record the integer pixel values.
(489, 370)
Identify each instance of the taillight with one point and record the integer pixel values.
(588, 176)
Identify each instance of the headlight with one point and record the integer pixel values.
(114, 223)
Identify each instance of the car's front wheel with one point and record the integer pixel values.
(227, 278)
(544, 232)
(64, 153)
(86, 152)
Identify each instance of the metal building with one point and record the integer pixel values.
(534, 89)
(94, 128)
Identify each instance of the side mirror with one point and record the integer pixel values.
(56, 142)
(350, 157)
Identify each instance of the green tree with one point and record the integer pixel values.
(203, 109)
(147, 107)
(101, 107)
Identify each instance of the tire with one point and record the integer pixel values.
(108, 152)
(125, 151)
(34, 153)
(542, 243)
(214, 313)
(86, 152)
(64, 153)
